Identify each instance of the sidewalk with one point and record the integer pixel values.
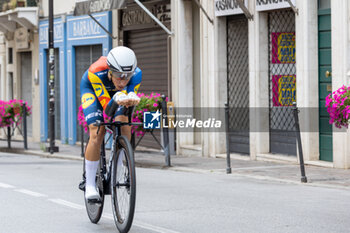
(280, 172)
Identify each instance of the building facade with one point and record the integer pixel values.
(79, 42)
(259, 59)
(261, 65)
(19, 68)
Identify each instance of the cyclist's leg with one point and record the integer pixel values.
(92, 157)
(93, 148)
(92, 111)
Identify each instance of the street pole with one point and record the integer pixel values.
(166, 132)
(300, 148)
(227, 128)
(52, 148)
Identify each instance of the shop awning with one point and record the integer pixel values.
(88, 7)
(25, 16)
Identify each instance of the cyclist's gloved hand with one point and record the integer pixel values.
(120, 98)
(133, 99)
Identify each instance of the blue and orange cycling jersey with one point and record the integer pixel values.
(97, 90)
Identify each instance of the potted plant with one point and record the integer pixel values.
(338, 107)
(148, 103)
(81, 119)
(11, 112)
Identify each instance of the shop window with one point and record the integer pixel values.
(10, 89)
(10, 55)
(324, 4)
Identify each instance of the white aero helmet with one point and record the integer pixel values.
(121, 59)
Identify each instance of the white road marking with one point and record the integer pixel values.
(143, 225)
(153, 228)
(67, 203)
(6, 186)
(30, 193)
(81, 207)
(108, 216)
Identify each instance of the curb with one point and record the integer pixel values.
(183, 169)
(255, 177)
(41, 154)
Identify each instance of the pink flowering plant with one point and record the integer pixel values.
(338, 107)
(11, 112)
(81, 118)
(148, 103)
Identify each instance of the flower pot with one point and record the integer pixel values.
(20, 4)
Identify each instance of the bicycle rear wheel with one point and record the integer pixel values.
(123, 184)
(94, 210)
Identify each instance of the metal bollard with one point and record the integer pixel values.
(25, 137)
(133, 141)
(300, 148)
(82, 141)
(228, 158)
(165, 133)
(9, 137)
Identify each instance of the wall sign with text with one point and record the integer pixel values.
(228, 7)
(265, 5)
(44, 32)
(83, 27)
(283, 47)
(283, 90)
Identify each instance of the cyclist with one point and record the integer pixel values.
(116, 76)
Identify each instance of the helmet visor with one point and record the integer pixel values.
(122, 75)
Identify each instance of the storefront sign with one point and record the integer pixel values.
(44, 32)
(283, 47)
(79, 28)
(84, 7)
(228, 7)
(283, 90)
(264, 5)
(137, 16)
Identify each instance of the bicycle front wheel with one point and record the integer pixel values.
(123, 184)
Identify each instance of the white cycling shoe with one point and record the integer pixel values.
(92, 195)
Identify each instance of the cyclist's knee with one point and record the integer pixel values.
(94, 137)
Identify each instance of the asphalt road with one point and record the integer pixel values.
(41, 195)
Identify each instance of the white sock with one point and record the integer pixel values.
(90, 172)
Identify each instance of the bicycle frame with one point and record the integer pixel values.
(115, 127)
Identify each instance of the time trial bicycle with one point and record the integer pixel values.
(118, 178)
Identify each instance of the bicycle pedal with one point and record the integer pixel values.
(95, 201)
(82, 185)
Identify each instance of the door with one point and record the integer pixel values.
(26, 85)
(57, 93)
(325, 78)
(84, 57)
(238, 83)
(150, 47)
(282, 85)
